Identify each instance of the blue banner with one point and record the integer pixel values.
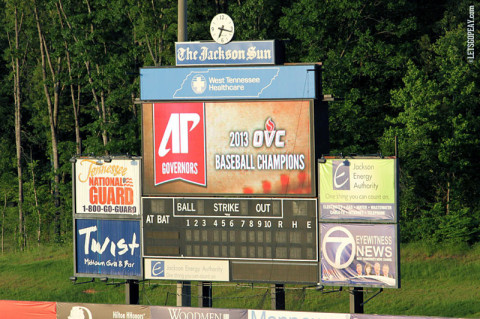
(108, 247)
(212, 53)
(226, 83)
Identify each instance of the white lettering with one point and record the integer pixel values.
(177, 129)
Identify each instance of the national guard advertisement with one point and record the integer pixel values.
(107, 187)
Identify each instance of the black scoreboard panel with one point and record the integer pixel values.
(260, 236)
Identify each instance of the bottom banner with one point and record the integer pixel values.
(93, 311)
(27, 309)
(196, 313)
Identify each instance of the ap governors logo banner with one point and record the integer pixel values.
(359, 255)
(179, 146)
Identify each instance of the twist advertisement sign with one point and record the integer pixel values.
(111, 188)
(361, 189)
(108, 248)
(245, 147)
(359, 255)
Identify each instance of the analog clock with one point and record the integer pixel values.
(222, 28)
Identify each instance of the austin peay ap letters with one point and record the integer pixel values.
(179, 132)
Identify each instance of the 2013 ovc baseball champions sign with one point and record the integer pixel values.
(248, 147)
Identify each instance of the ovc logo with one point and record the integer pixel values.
(199, 84)
(158, 268)
(338, 247)
(341, 175)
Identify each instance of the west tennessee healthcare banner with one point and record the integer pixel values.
(108, 248)
(247, 147)
(358, 188)
(359, 255)
(107, 187)
(229, 83)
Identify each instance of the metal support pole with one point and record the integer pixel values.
(356, 300)
(278, 296)
(184, 294)
(182, 21)
(205, 294)
(132, 293)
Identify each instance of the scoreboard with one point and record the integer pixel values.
(229, 164)
(255, 235)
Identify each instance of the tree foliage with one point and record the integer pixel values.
(399, 66)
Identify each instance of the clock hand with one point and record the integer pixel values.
(221, 30)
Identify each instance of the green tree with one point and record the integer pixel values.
(439, 144)
(363, 46)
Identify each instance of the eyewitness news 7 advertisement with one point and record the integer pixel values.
(363, 255)
(240, 148)
(107, 187)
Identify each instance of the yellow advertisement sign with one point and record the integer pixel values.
(358, 189)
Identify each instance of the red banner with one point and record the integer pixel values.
(28, 309)
(179, 133)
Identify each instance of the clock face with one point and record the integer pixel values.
(222, 28)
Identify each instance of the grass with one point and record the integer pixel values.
(436, 281)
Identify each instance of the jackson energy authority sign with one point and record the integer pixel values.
(359, 188)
